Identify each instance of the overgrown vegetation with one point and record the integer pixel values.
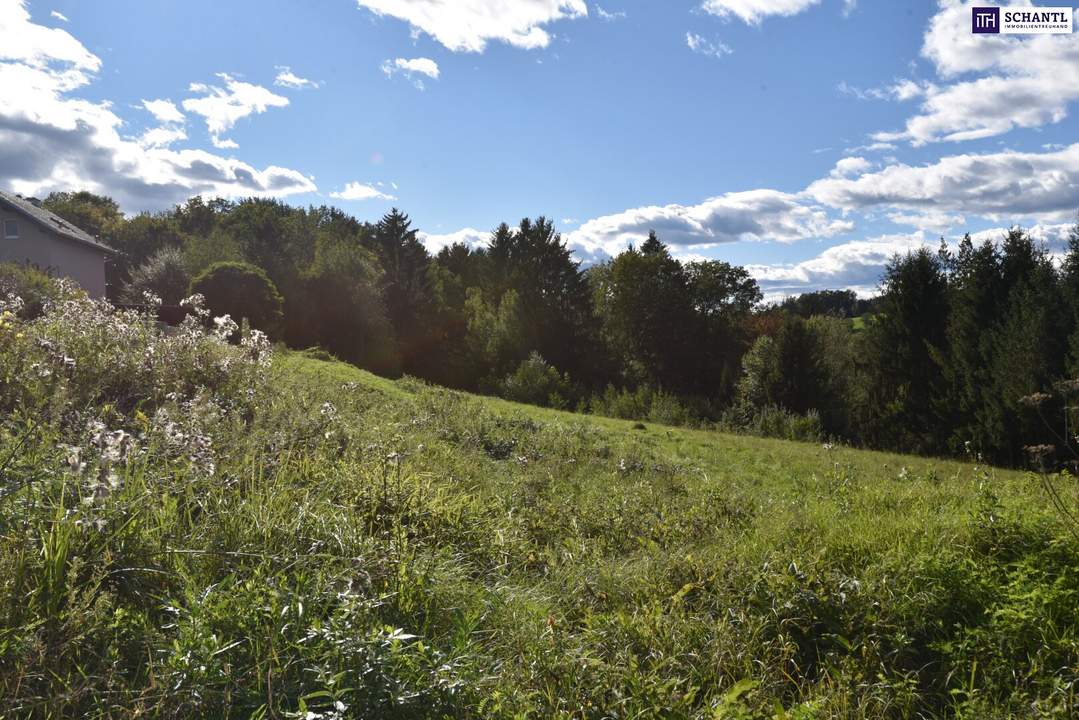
(191, 529)
(936, 365)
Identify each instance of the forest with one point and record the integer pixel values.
(966, 352)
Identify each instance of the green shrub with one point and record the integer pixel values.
(163, 276)
(32, 286)
(241, 291)
(536, 382)
(772, 421)
(646, 403)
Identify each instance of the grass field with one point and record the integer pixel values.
(370, 548)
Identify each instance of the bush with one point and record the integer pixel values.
(241, 291)
(163, 276)
(646, 403)
(536, 382)
(773, 421)
(33, 287)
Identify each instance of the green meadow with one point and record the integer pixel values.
(192, 528)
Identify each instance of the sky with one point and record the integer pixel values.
(809, 140)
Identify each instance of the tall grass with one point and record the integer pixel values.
(191, 529)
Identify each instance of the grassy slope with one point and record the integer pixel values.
(667, 564)
(409, 551)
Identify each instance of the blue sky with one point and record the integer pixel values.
(807, 139)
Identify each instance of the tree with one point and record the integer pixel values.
(405, 285)
(241, 291)
(1029, 347)
(554, 299)
(905, 340)
(140, 237)
(96, 214)
(648, 320)
(338, 304)
(1070, 283)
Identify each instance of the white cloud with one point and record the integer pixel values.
(850, 166)
(223, 107)
(753, 11)
(933, 221)
(52, 140)
(468, 236)
(468, 25)
(360, 191)
(164, 110)
(410, 68)
(223, 143)
(704, 46)
(754, 215)
(162, 137)
(609, 16)
(998, 186)
(38, 46)
(287, 78)
(855, 265)
(901, 90)
(1026, 81)
(871, 147)
(59, 16)
(859, 265)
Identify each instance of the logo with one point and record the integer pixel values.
(1021, 21)
(985, 20)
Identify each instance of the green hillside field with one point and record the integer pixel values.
(342, 545)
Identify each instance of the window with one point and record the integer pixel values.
(11, 230)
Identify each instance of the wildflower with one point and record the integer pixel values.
(224, 327)
(196, 305)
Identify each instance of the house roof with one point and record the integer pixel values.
(51, 221)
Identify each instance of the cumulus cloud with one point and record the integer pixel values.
(38, 46)
(468, 25)
(288, 79)
(850, 166)
(753, 11)
(164, 110)
(753, 215)
(471, 237)
(1009, 184)
(1025, 81)
(361, 191)
(937, 222)
(855, 265)
(51, 139)
(162, 136)
(704, 46)
(411, 68)
(859, 265)
(222, 107)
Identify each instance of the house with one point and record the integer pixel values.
(31, 234)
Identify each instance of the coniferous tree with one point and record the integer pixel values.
(405, 287)
(975, 309)
(904, 344)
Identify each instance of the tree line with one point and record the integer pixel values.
(963, 352)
